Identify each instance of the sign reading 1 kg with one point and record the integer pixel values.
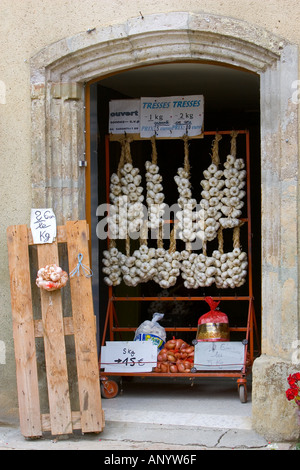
(172, 116)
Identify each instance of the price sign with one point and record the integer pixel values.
(172, 116)
(219, 355)
(128, 356)
(43, 226)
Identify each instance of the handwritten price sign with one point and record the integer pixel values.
(43, 226)
(128, 356)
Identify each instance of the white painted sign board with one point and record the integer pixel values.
(128, 356)
(43, 226)
(124, 116)
(172, 116)
(219, 355)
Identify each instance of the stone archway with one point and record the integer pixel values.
(58, 77)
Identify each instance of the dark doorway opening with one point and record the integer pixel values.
(231, 102)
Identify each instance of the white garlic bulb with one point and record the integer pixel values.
(187, 216)
(167, 267)
(155, 196)
(112, 262)
(233, 192)
(232, 269)
(209, 215)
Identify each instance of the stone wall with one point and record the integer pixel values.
(57, 46)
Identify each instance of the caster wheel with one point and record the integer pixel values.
(243, 393)
(109, 389)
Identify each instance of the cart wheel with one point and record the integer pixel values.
(109, 388)
(243, 393)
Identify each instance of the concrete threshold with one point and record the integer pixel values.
(162, 416)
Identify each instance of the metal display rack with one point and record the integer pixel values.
(109, 387)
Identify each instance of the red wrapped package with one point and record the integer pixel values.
(213, 325)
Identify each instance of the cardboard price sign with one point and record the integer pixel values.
(167, 116)
(172, 116)
(219, 355)
(128, 356)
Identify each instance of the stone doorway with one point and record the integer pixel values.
(59, 74)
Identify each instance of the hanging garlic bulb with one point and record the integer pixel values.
(130, 187)
(139, 267)
(155, 197)
(188, 266)
(167, 268)
(231, 266)
(233, 192)
(115, 196)
(212, 184)
(209, 214)
(187, 216)
(167, 262)
(112, 262)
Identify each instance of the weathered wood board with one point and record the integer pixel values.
(53, 327)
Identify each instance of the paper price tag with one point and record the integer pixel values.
(43, 226)
(172, 116)
(219, 355)
(128, 356)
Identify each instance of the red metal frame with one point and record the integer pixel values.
(111, 320)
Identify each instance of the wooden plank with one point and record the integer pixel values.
(76, 420)
(46, 421)
(84, 330)
(55, 349)
(68, 327)
(23, 331)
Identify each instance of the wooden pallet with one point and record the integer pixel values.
(53, 327)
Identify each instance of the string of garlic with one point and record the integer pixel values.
(155, 197)
(167, 268)
(112, 262)
(130, 187)
(212, 184)
(231, 266)
(233, 192)
(139, 267)
(187, 217)
(167, 261)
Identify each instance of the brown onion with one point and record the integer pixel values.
(181, 368)
(171, 357)
(170, 344)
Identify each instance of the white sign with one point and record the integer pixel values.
(128, 356)
(219, 355)
(43, 226)
(124, 116)
(172, 116)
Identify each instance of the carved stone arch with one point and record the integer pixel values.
(58, 75)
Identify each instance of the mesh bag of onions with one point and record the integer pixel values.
(213, 325)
